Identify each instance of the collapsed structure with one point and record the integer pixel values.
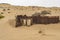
(30, 20)
(23, 20)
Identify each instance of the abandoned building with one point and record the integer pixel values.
(23, 20)
(30, 20)
(45, 19)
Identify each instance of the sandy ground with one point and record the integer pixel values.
(9, 32)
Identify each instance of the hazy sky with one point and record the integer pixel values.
(46, 3)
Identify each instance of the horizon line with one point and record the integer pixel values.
(28, 5)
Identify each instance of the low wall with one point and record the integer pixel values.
(45, 19)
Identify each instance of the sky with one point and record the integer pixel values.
(45, 3)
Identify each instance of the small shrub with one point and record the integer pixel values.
(45, 12)
(40, 32)
(8, 12)
(4, 10)
(1, 16)
(2, 13)
(8, 9)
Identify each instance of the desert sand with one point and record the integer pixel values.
(9, 32)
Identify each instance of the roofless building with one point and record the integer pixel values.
(23, 20)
